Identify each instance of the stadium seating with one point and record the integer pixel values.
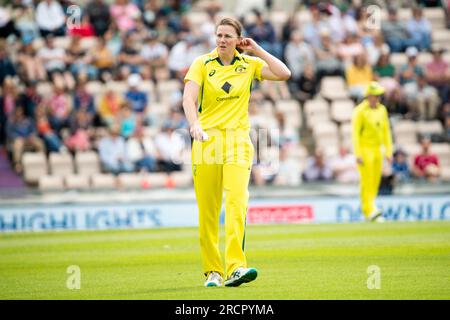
(103, 181)
(51, 183)
(341, 110)
(61, 164)
(333, 87)
(79, 182)
(34, 166)
(87, 163)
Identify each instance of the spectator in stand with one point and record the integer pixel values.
(124, 14)
(50, 18)
(99, 16)
(367, 30)
(422, 98)
(45, 131)
(128, 121)
(395, 33)
(437, 73)
(169, 147)
(8, 102)
(7, 68)
(32, 65)
(317, 168)
(129, 58)
(327, 63)
(142, 152)
(349, 49)
(358, 75)
(313, 29)
(426, 164)
(182, 55)
(54, 60)
(344, 166)
(289, 170)
(113, 153)
(384, 72)
(109, 106)
(104, 61)
(420, 29)
(154, 55)
(21, 135)
(400, 167)
(341, 22)
(25, 21)
(81, 132)
(60, 107)
(83, 100)
(137, 98)
(263, 32)
(7, 26)
(308, 84)
(30, 99)
(297, 54)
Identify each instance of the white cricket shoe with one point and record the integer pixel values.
(376, 216)
(240, 276)
(214, 279)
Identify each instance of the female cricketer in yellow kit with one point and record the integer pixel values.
(222, 152)
(370, 132)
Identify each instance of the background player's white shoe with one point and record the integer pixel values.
(214, 279)
(376, 216)
(240, 276)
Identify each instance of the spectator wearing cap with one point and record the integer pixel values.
(420, 29)
(421, 98)
(138, 99)
(426, 164)
(113, 152)
(437, 73)
(50, 18)
(395, 32)
(400, 167)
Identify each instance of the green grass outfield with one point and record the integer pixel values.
(294, 262)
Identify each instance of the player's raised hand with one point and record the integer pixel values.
(249, 45)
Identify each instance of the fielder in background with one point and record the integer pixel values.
(216, 97)
(371, 136)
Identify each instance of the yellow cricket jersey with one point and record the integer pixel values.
(224, 90)
(370, 128)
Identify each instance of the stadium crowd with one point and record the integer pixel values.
(71, 50)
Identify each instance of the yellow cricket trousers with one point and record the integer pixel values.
(370, 176)
(222, 164)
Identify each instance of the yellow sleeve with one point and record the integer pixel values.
(259, 65)
(357, 123)
(387, 137)
(350, 75)
(196, 72)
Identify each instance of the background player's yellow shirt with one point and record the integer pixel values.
(224, 90)
(370, 128)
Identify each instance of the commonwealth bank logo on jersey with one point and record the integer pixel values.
(227, 87)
